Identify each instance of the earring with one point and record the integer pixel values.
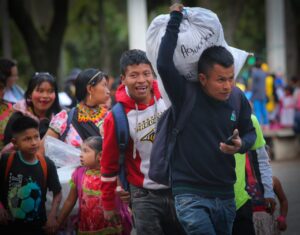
(90, 96)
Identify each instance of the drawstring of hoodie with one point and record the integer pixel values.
(137, 122)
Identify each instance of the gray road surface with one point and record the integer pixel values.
(289, 174)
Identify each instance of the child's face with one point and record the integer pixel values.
(88, 156)
(43, 97)
(28, 141)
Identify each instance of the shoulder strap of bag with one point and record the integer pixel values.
(69, 120)
(236, 95)
(9, 162)
(43, 163)
(78, 180)
(122, 133)
(42, 160)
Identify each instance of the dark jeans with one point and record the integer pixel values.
(243, 223)
(208, 216)
(154, 212)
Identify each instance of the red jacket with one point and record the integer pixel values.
(142, 123)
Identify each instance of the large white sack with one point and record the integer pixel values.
(199, 29)
(60, 153)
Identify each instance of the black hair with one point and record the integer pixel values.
(133, 57)
(22, 123)
(95, 143)
(87, 77)
(3, 80)
(6, 65)
(289, 88)
(36, 80)
(214, 55)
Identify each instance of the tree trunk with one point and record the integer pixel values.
(105, 56)
(6, 43)
(44, 52)
(234, 10)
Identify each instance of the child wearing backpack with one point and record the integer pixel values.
(85, 186)
(25, 177)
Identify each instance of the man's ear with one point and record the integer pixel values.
(122, 79)
(202, 78)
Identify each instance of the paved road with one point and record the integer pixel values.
(289, 174)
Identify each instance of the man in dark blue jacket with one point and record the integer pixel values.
(203, 166)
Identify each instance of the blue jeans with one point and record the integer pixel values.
(260, 111)
(209, 216)
(154, 212)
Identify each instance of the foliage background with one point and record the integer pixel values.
(97, 31)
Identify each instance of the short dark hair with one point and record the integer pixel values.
(23, 123)
(133, 57)
(6, 65)
(214, 55)
(87, 77)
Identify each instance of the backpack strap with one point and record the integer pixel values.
(69, 120)
(122, 133)
(78, 180)
(236, 103)
(9, 162)
(43, 163)
(41, 159)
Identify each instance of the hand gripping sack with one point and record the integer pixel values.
(200, 28)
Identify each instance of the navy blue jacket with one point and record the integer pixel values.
(198, 165)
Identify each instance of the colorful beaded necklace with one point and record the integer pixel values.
(86, 113)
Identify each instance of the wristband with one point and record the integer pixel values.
(281, 218)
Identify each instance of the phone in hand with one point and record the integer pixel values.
(229, 139)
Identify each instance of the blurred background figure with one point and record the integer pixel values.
(287, 111)
(5, 109)
(296, 96)
(13, 93)
(259, 97)
(67, 97)
(272, 101)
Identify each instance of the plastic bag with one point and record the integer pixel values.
(61, 153)
(199, 29)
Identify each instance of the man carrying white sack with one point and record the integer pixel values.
(203, 166)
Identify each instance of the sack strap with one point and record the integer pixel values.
(122, 133)
(41, 159)
(69, 120)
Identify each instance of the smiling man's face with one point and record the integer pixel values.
(138, 79)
